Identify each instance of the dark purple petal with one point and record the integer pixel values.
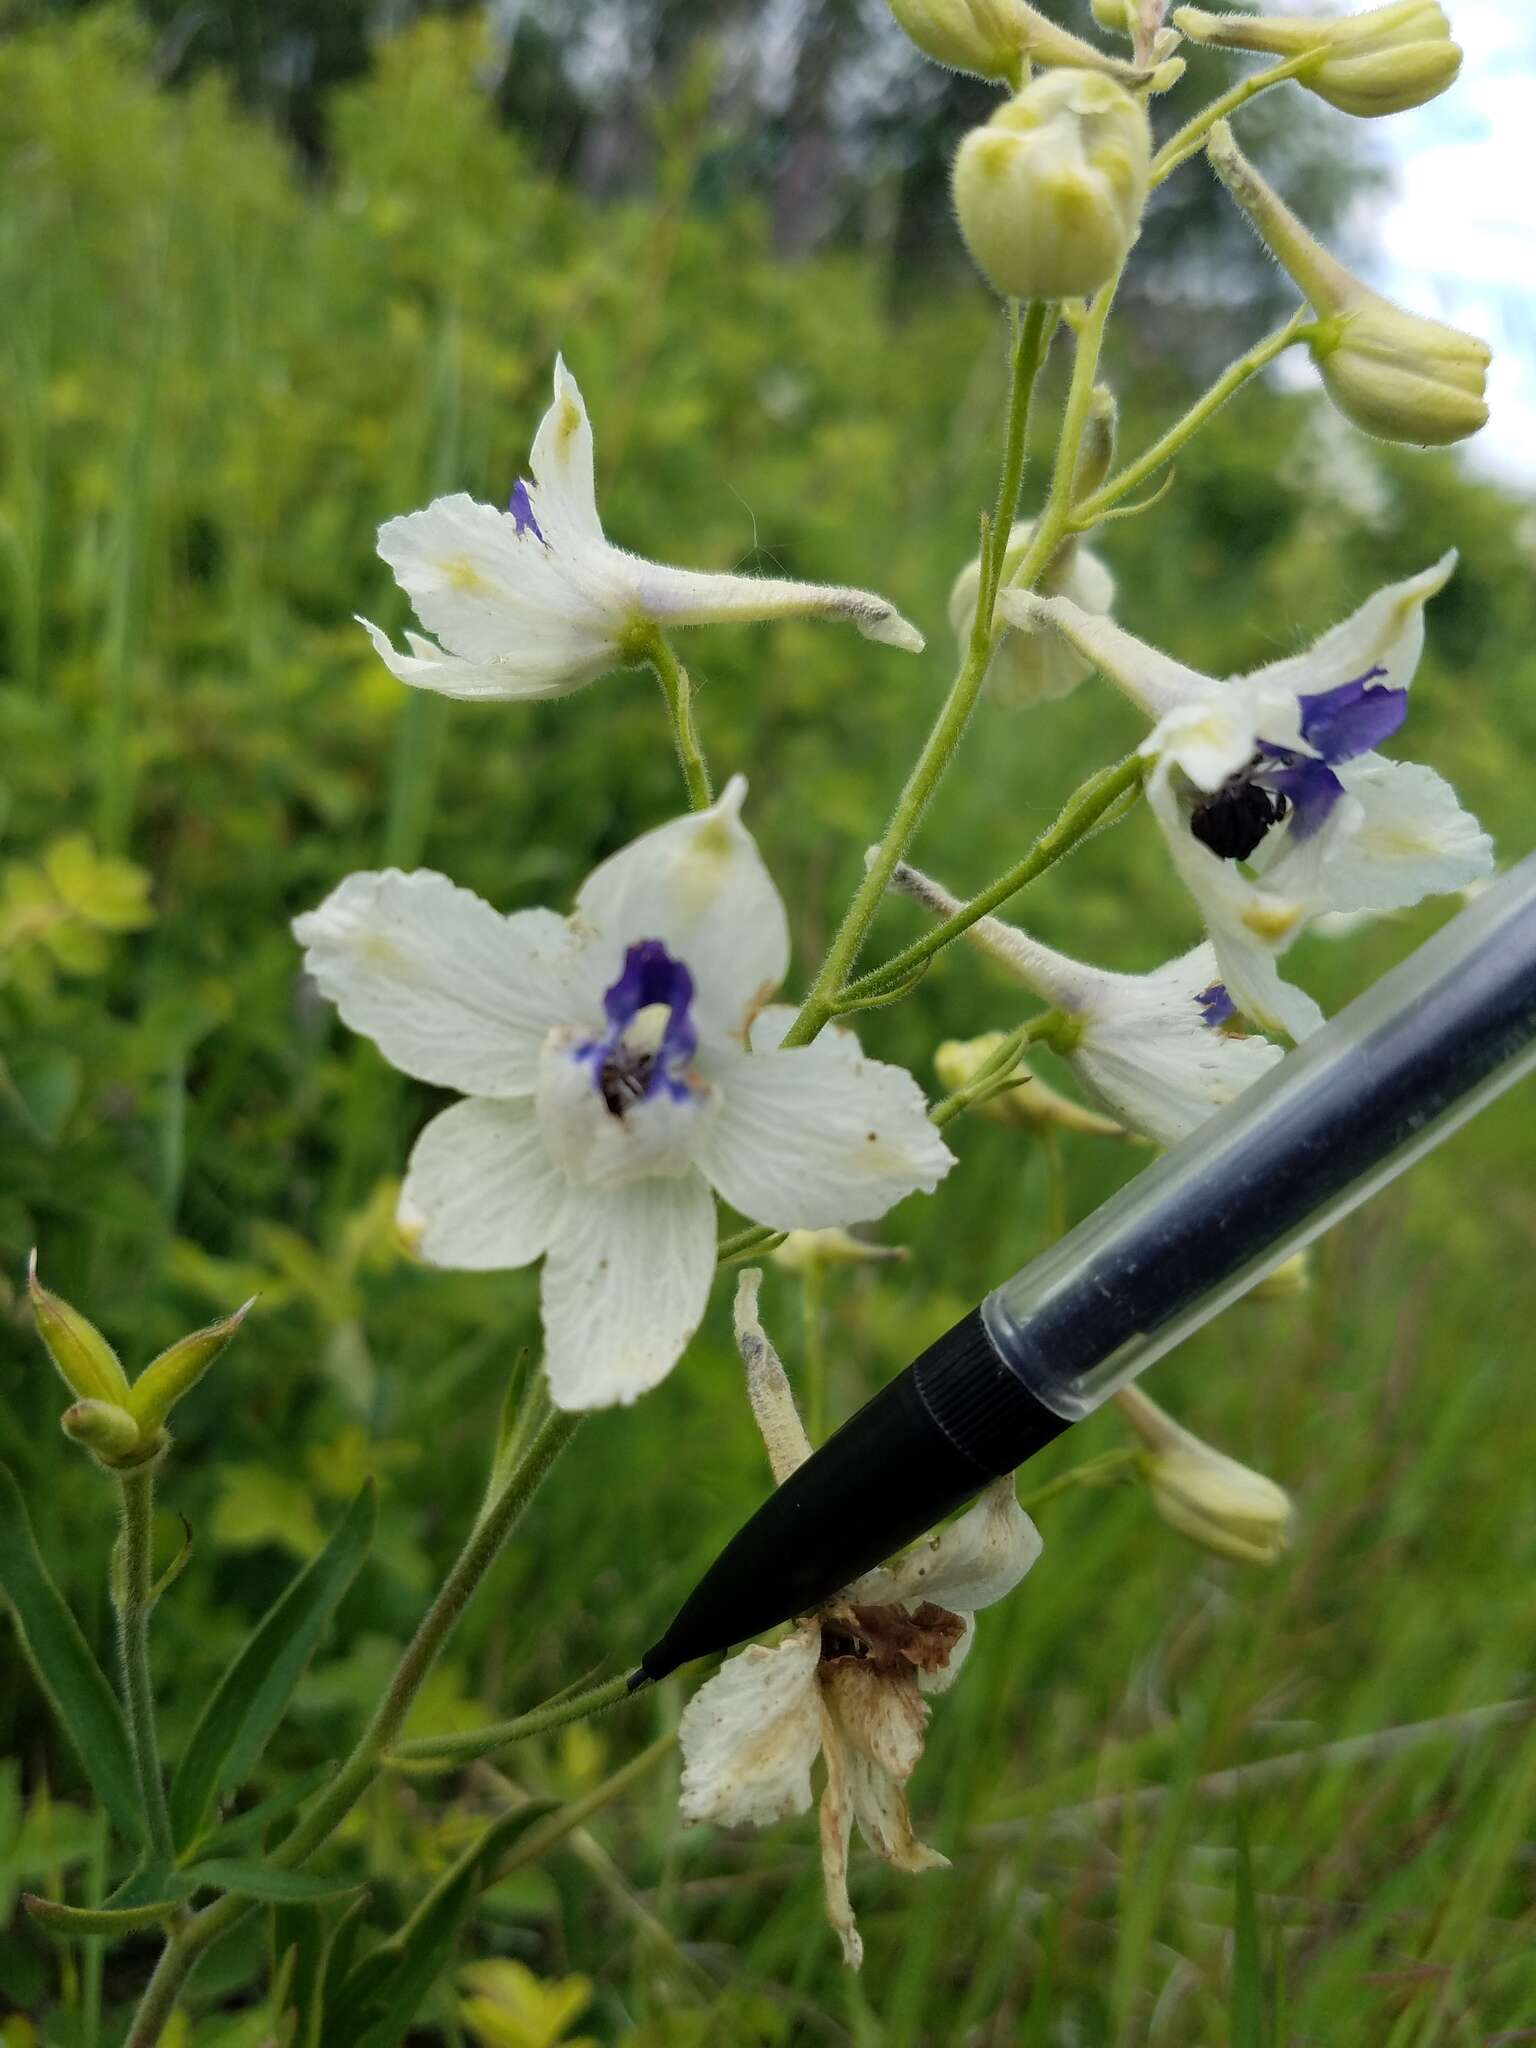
(1216, 1006)
(624, 1074)
(1310, 788)
(1339, 724)
(520, 505)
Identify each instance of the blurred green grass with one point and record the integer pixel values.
(217, 379)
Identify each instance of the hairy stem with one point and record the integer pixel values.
(133, 1595)
(678, 692)
(954, 714)
(1209, 403)
(1191, 137)
(478, 1742)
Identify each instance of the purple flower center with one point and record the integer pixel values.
(1279, 782)
(520, 505)
(1216, 1006)
(625, 1074)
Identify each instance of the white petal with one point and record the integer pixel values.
(773, 1404)
(481, 1188)
(428, 667)
(819, 1135)
(1152, 680)
(625, 1286)
(1211, 736)
(566, 500)
(972, 1562)
(1387, 632)
(1152, 1059)
(699, 885)
(1412, 839)
(885, 1822)
(880, 1715)
(446, 987)
(934, 1682)
(659, 1135)
(750, 1735)
(836, 1827)
(694, 597)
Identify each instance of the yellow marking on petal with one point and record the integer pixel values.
(460, 573)
(569, 421)
(1271, 921)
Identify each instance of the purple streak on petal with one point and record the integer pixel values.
(1216, 1006)
(1339, 724)
(520, 505)
(1309, 786)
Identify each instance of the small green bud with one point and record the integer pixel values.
(1049, 193)
(1118, 16)
(1390, 373)
(108, 1432)
(163, 1382)
(1225, 1507)
(985, 37)
(1030, 668)
(86, 1361)
(1031, 1105)
(1096, 453)
(1290, 1279)
(1380, 62)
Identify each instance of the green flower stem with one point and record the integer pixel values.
(496, 1523)
(1083, 811)
(134, 1598)
(542, 1838)
(1093, 1472)
(820, 1005)
(478, 1742)
(1092, 509)
(992, 1078)
(1191, 137)
(678, 692)
(756, 1241)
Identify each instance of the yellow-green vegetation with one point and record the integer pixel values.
(217, 375)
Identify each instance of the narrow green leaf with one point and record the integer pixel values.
(85, 1704)
(244, 1830)
(270, 1881)
(1247, 1965)
(253, 1693)
(97, 1923)
(151, 1882)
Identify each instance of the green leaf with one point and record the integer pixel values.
(379, 1999)
(97, 1923)
(78, 1693)
(1247, 1967)
(246, 1829)
(250, 1698)
(270, 1881)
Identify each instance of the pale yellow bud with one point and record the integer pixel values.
(981, 36)
(87, 1363)
(177, 1371)
(1389, 372)
(1049, 193)
(1096, 450)
(1118, 16)
(107, 1431)
(1029, 1105)
(835, 1246)
(1287, 1281)
(1225, 1507)
(1028, 668)
(1380, 62)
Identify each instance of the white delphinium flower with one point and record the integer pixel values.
(1034, 667)
(534, 601)
(1152, 1048)
(848, 1683)
(620, 1069)
(1269, 791)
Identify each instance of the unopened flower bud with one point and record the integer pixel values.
(1226, 1507)
(1049, 193)
(107, 1431)
(831, 1247)
(1028, 668)
(1380, 62)
(176, 1372)
(1030, 1104)
(1118, 16)
(981, 36)
(86, 1361)
(1389, 372)
(1096, 450)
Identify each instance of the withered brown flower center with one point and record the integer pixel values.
(891, 1639)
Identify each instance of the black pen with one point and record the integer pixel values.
(1394, 1073)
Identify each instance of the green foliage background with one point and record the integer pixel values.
(218, 375)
